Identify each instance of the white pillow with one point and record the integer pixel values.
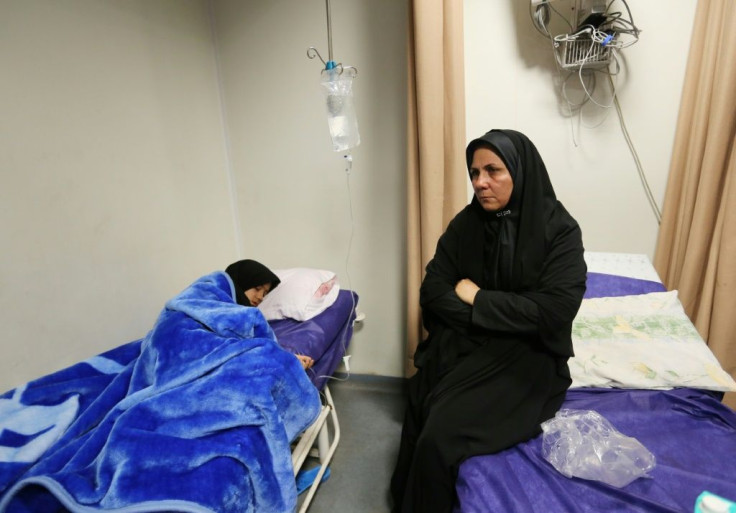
(643, 341)
(302, 294)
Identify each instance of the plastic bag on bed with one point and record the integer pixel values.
(582, 443)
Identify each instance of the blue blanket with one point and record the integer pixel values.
(197, 416)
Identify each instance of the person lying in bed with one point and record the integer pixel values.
(498, 301)
(253, 281)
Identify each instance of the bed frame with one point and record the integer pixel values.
(316, 442)
(321, 438)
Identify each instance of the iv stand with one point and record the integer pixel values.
(312, 51)
(329, 31)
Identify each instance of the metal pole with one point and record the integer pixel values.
(329, 31)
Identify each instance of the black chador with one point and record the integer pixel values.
(490, 373)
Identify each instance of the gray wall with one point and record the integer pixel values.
(114, 194)
(118, 189)
(298, 206)
(139, 152)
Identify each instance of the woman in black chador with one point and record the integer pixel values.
(498, 302)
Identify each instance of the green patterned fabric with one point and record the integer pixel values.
(643, 341)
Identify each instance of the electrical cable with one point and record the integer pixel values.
(589, 94)
(639, 168)
(591, 59)
(560, 15)
(606, 34)
(540, 19)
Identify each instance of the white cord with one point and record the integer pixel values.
(346, 357)
(589, 94)
(540, 18)
(606, 34)
(639, 167)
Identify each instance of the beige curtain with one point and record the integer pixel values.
(696, 247)
(436, 177)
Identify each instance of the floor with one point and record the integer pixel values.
(370, 412)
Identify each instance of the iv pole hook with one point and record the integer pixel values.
(312, 52)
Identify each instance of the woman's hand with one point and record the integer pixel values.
(305, 360)
(466, 290)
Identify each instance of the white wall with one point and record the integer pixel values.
(512, 82)
(114, 193)
(292, 188)
(116, 179)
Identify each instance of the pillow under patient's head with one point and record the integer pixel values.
(302, 294)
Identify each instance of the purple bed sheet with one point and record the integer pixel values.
(324, 338)
(610, 285)
(690, 432)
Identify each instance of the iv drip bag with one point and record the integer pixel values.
(337, 84)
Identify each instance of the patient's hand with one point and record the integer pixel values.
(305, 360)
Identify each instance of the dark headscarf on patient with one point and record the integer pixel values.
(248, 274)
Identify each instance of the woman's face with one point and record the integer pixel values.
(256, 294)
(491, 180)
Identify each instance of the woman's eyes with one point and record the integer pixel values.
(475, 173)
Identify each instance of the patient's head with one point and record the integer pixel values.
(252, 281)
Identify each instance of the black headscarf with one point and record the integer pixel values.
(518, 229)
(248, 274)
(531, 248)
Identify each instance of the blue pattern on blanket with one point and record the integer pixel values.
(197, 416)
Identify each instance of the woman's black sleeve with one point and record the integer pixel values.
(437, 295)
(553, 303)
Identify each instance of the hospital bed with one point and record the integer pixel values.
(82, 417)
(641, 365)
(324, 338)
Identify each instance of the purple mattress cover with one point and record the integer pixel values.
(690, 432)
(609, 285)
(324, 338)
